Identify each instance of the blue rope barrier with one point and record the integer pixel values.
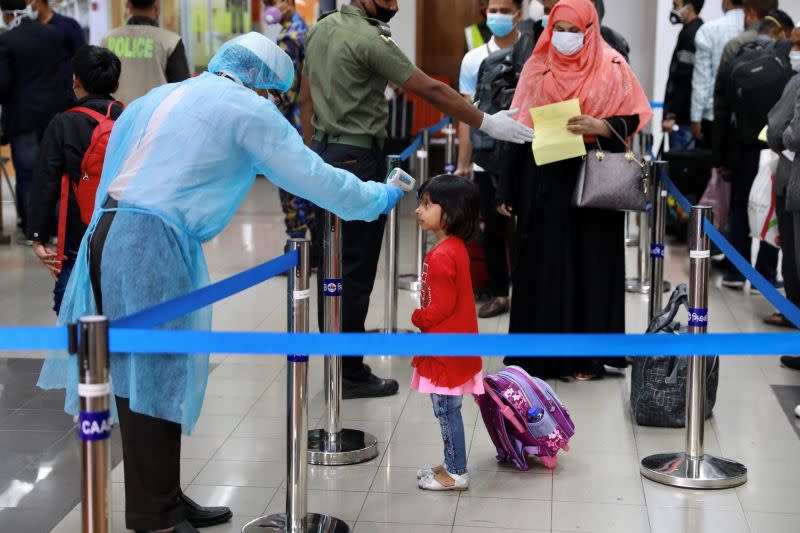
(167, 311)
(417, 142)
(787, 308)
(531, 345)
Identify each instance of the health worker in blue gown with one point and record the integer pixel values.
(180, 161)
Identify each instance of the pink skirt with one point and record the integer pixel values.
(423, 384)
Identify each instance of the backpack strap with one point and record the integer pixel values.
(111, 105)
(88, 112)
(63, 207)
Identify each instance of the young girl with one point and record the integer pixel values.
(448, 206)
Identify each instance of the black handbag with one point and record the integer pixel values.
(658, 383)
(610, 180)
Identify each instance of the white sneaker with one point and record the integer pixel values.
(430, 483)
(797, 411)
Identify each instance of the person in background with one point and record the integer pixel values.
(710, 42)
(613, 38)
(791, 142)
(72, 38)
(299, 213)
(151, 56)
(350, 56)
(30, 94)
(569, 269)
(478, 34)
(736, 150)
(788, 221)
(503, 16)
(96, 76)
(754, 12)
(678, 95)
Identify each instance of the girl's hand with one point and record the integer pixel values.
(588, 126)
(48, 257)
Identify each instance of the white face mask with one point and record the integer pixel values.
(567, 43)
(33, 14)
(794, 58)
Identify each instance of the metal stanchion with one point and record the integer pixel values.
(4, 239)
(390, 300)
(641, 283)
(630, 240)
(332, 445)
(657, 246)
(412, 282)
(297, 519)
(449, 148)
(94, 420)
(693, 468)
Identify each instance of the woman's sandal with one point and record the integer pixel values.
(429, 471)
(580, 376)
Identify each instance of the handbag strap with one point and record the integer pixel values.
(623, 140)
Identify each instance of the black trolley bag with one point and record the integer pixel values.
(658, 383)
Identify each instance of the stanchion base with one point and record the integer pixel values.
(409, 282)
(315, 523)
(677, 470)
(399, 330)
(356, 447)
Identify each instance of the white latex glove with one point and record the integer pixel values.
(503, 127)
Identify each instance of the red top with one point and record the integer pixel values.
(447, 306)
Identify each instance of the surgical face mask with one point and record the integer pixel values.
(500, 24)
(567, 43)
(544, 20)
(33, 14)
(384, 14)
(794, 58)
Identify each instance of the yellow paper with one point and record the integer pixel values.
(763, 135)
(553, 141)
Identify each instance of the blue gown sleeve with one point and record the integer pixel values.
(279, 154)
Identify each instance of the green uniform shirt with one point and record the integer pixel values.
(350, 58)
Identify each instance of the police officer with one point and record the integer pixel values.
(150, 56)
(350, 57)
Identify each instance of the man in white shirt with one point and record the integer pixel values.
(502, 19)
(709, 44)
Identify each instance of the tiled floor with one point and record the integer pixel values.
(236, 457)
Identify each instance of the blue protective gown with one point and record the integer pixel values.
(179, 162)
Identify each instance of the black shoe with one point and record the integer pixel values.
(791, 361)
(200, 516)
(182, 527)
(370, 387)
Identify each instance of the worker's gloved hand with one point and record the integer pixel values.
(393, 195)
(503, 127)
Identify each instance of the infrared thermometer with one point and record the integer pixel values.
(401, 179)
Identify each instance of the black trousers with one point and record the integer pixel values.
(361, 246)
(151, 447)
(738, 224)
(495, 226)
(787, 222)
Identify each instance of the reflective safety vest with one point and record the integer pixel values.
(143, 51)
(474, 37)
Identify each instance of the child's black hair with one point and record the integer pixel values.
(459, 201)
(97, 68)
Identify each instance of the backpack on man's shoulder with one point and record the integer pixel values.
(483, 146)
(85, 189)
(758, 76)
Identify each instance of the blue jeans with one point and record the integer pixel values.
(681, 139)
(25, 156)
(448, 410)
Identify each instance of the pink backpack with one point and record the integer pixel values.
(524, 417)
